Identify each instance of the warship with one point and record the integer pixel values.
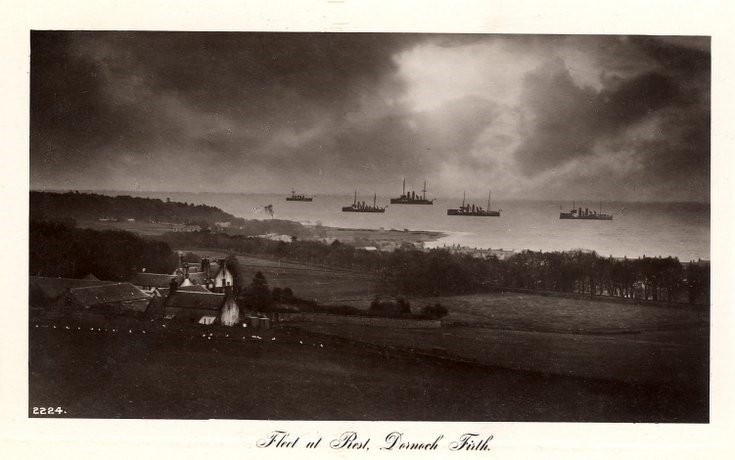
(411, 197)
(472, 210)
(361, 206)
(298, 197)
(584, 214)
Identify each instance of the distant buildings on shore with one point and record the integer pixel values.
(175, 226)
(479, 253)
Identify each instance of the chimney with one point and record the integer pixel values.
(222, 267)
(173, 285)
(181, 259)
(186, 270)
(201, 265)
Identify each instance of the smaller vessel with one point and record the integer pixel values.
(472, 210)
(361, 206)
(411, 197)
(298, 197)
(584, 213)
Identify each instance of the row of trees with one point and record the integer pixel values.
(646, 278)
(60, 249)
(57, 249)
(438, 272)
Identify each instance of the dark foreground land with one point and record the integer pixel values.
(125, 373)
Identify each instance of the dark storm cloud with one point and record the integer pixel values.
(95, 92)
(261, 111)
(570, 120)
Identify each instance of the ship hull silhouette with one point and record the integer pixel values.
(476, 213)
(472, 210)
(298, 197)
(362, 207)
(411, 197)
(584, 214)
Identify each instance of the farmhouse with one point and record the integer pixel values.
(215, 276)
(222, 277)
(200, 307)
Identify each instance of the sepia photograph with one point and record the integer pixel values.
(341, 229)
(363, 226)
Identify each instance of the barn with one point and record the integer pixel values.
(202, 307)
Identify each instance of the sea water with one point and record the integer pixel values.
(639, 228)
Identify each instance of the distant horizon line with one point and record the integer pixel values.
(57, 190)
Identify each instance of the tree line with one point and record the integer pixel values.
(438, 272)
(58, 249)
(663, 279)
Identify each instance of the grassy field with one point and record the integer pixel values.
(601, 339)
(627, 359)
(103, 375)
(314, 282)
(509, 310)
(589, 339)
(567, 336)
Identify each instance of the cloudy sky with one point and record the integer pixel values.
(562, 117)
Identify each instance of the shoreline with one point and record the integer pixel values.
(366, 235)
(381, 239)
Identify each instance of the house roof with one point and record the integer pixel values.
(220, 272)
(110, 293)
(195, 300)
(198, 277)
(154, 279)
(52, 288)
(191, 288)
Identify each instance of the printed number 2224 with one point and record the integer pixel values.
(48, 411)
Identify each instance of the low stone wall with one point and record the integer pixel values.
(404, 323)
